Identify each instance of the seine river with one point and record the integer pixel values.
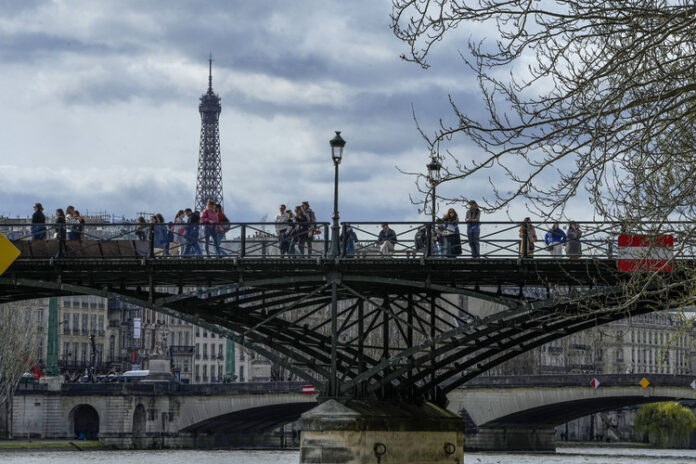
(564, 456)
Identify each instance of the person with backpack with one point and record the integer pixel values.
(224, 227)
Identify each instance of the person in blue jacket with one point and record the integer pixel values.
(554, 239)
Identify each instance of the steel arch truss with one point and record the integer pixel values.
(393, 337)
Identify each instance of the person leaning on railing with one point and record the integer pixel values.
(386, 240)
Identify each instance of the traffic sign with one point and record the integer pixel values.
(308, 389)
(644, 382)
(8, 253)
(594, 383)
(645, 253)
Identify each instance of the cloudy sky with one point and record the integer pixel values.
(100, 105)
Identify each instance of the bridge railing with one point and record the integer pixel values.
(497, 239)
(128, 240)
(504, 239)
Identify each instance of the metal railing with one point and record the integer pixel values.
(496, 239)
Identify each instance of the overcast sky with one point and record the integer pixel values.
(100, 105)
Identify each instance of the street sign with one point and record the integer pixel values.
(645, 253)
(644, 382)
(8, 253)
(308, 389)
(594, 383)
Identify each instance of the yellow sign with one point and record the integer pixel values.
(8, 253)
(644, 382)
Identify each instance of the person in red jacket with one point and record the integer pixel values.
(209, 220)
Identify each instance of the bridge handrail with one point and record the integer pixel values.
(498, 239)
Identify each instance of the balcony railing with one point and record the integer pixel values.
(182, 350)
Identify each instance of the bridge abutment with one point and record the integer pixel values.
(512, 439)
(357, 432)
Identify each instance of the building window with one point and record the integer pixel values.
(66, 323)
(619, 355)
(93, 324)
(198, 372)
(39, 318)
(186, 339)
(220, 351)
(205, 372)
(84, 352)
(205, 351)
(198, 350)
(100, 325)
(112, 347)
(85, 329)
(212, 372)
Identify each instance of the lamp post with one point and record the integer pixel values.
(434, 177)
(337, 143)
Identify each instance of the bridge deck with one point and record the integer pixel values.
(193, 271)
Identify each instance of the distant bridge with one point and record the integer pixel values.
(515, 412)
(521, 412)
(169, 415)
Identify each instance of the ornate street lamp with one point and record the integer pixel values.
(337, 143)
(433, 177)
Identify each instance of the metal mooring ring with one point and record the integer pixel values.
(450, 448)
(380, 449)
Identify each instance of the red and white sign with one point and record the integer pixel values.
(594, 383)
(645, 253)
(308, 389)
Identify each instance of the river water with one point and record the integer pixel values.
(563, 456)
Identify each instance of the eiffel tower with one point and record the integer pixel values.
(209, 181)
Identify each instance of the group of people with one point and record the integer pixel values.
(184, 231)
(296, 229)
(69, 224)
(555, 239)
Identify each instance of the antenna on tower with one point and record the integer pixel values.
(210, 73)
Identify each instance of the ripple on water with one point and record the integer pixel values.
(569, 455)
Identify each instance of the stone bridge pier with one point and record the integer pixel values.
(364, 431)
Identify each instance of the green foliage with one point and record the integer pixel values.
(666, 425)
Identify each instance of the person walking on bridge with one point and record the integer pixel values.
(38, 223)
(224, 223)
(192, 234)
(210, 220)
